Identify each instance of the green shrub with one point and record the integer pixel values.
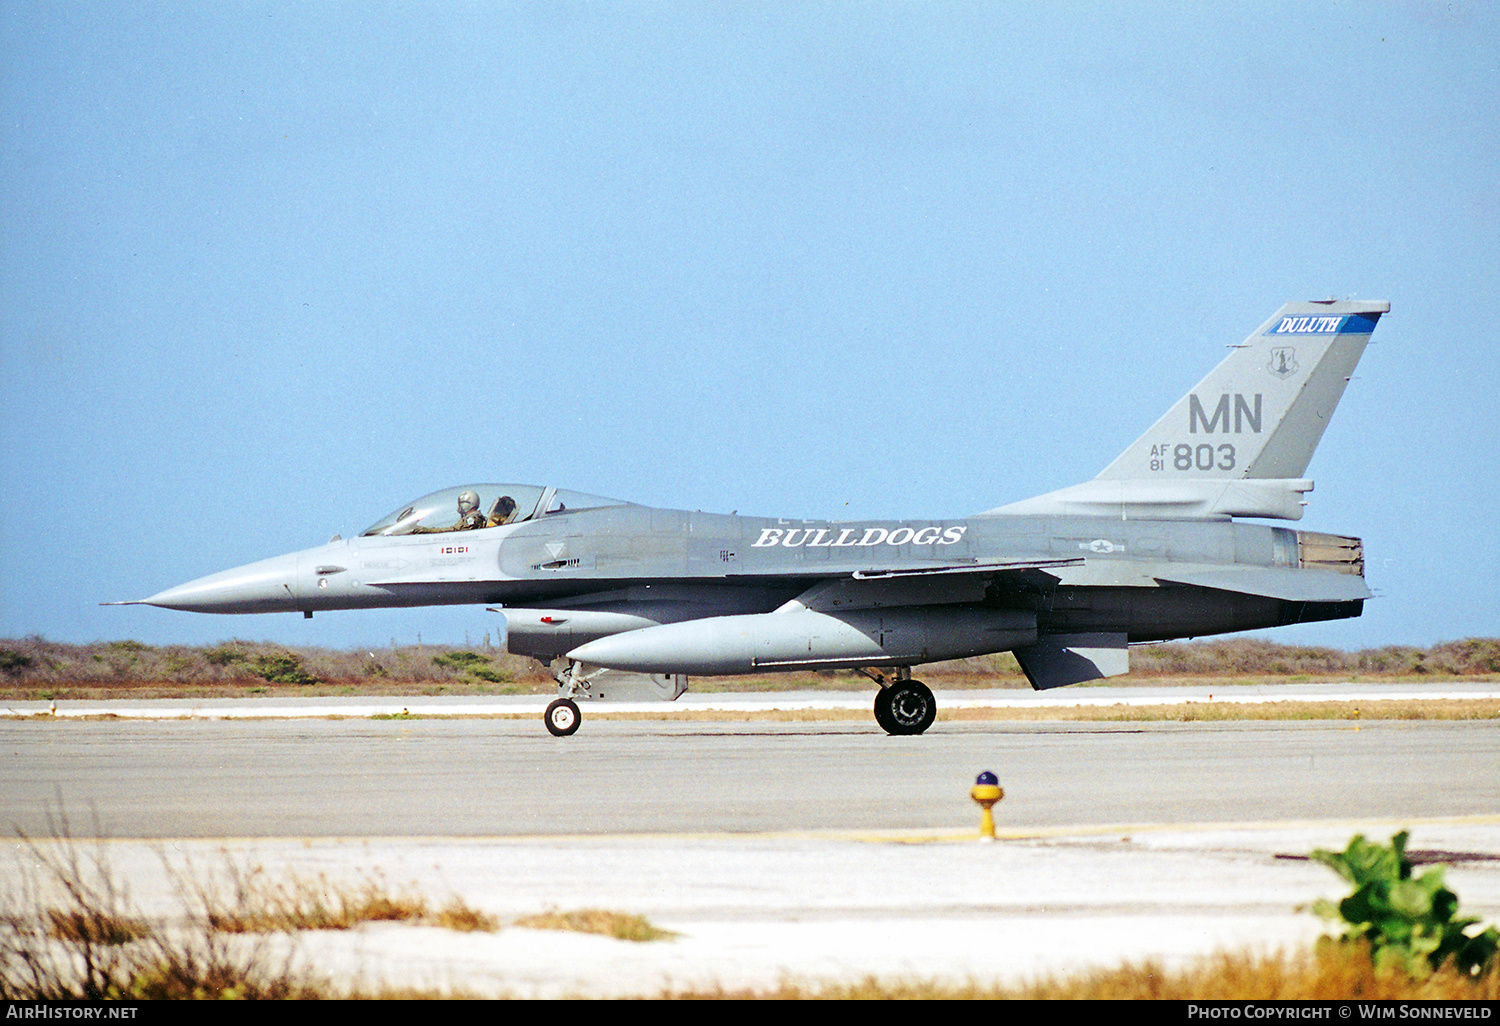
(284, 668)
(224, 655)
(1409, 924)
(12, 663)
(472, 664)
(461, 660)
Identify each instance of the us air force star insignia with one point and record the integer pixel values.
(1283, 362)
(1098, 545)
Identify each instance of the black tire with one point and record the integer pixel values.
(909, 708)
(883, 710)
(562, 717)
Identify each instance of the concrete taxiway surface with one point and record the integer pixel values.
(212, 776)
(809, 851)
(732, 702)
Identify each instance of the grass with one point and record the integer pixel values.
(456, 915)
(1328, 972)
(72, 934)
(619, 925)
(88, 943)
(257, 903)
(93, 926)
(260, 905)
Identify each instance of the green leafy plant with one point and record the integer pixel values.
(461, 660)
(473, 665)
(12, 663)
(281, 669)
(1409, 923)
(223, 655)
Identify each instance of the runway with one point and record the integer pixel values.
(340, 778)
(816, 850)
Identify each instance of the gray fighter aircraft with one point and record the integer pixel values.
(623, 600)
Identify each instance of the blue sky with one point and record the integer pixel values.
(271, 269)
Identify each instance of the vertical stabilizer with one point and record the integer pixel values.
(1261, 412)
(1240, 441)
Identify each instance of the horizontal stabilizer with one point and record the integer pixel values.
(1057, 660)
(1285, 584)
(1278, 498)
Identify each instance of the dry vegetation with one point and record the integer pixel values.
(73, 934)
(1330, 972)
(36, 669)
(258, 904)
(619, 925)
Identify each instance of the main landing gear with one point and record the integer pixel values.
(903, 705)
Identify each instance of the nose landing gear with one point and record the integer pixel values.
(562, 717)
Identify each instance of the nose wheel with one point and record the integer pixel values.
(905, 707)
(562, 717)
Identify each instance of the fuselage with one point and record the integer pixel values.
(631, 566)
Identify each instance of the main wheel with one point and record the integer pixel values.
(883, 710)
(906, 707)
(562, 717)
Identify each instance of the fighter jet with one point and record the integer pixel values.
(622, 600)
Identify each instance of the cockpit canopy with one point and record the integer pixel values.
(497, 504)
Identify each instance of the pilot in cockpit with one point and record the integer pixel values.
(469, 517)
(502, 512)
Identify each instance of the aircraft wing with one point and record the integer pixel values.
(994, 566)
(916, 586)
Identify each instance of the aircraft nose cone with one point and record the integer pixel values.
(264, 587)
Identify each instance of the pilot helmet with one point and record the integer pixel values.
(468, 502)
